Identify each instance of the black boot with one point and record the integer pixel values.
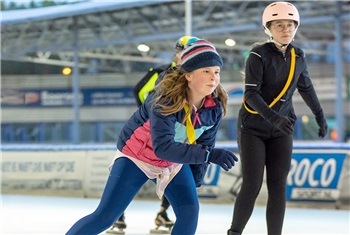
(230, 232)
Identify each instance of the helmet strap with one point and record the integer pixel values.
(279, 44)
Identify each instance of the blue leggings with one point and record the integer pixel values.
(124, 181)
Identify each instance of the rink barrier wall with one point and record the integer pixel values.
(319, 172)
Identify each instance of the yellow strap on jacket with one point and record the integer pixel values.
(191, 135)
(285, 88)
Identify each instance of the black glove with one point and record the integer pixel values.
(283, 123)
(321, 122)
(224, 158)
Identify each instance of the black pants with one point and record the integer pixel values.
(165, 203)
(257, 153)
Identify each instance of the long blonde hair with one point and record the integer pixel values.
(171, 93)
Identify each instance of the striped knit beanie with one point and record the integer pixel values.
(199, 53)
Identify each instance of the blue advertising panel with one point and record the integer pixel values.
(212, 175)
(121, 96)
(210, 188)
(314, 176)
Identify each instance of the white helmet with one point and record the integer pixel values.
(280, 11)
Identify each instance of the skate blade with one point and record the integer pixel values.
(110, 231)
(159, 231)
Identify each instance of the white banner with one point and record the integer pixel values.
(43, 173)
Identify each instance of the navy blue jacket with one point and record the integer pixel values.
(162, 140)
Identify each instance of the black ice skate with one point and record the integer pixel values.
(163, 224)
(118, 227)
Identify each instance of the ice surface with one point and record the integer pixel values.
(55, 215)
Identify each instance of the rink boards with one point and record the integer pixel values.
(319, 172)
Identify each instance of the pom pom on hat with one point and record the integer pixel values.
(199, 53)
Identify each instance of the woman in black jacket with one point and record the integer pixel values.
(274, 70)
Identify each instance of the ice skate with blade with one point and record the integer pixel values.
(163, 224)
(118, 227)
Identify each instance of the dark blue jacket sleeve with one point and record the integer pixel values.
(164, 145)
(308, 93)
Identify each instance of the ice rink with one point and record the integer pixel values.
(54, 215)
